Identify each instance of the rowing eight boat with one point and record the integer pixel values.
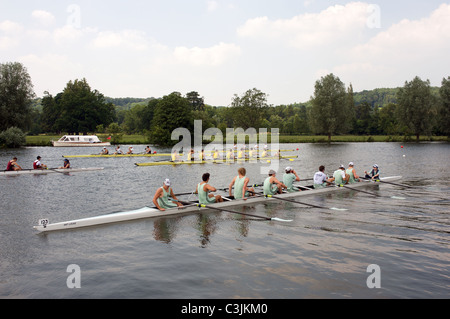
(151, 212)
(134, 155)
(217, 161)
(48, 171)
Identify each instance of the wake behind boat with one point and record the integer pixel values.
(151, 212)
(48, 171)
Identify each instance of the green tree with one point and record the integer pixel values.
(16, 94)
(249, 109)
(387, 120)
(330, 112)
(83, 109)
(12, 138)
(197, 102)
(416, 107)
(172, 111)
(444, 112)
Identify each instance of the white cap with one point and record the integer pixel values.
(288, 169)
(350, 164)
(341, 166)
(375, 165)
(272, 172)
(167, 182)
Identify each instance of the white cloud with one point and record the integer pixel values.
(45, 18)
(126, 39)
(212, 56)
(406, 49)
(337, 24)
(212, 5)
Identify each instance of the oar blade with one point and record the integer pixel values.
(398, 197)
(282, 220)
(338, 209)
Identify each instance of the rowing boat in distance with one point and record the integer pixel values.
(133, 155)
(48, 171)
(44, 225)
(217, 161)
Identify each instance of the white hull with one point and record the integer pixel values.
(79, 144)
(48, 171)
(148, 212)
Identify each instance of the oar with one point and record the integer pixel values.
(234, 212)
(396, 184)
(301, 203)
(370, 193)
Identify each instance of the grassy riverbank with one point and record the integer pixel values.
(45, 140)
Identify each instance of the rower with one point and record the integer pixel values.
(104, 151)
(203, 191)
(374, 173)
(241, 154)
(240, 183)
(161, 199)
(148, 150)
(201, 155)
(190, 156)
(118, 150)
(13, 166)
(320, 179)
(38, 165)
(289, 178)
(339, 176)
(130, 150)
(230, 155)
(175, 157)
(272, 185)
(66, 164)
(216, 155)
(353, 177)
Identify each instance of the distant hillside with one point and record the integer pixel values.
(381, 97)
(126, 103)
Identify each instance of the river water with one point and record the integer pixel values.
(217, 255)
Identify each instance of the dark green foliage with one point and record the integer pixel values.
(16, 93)
(13, 138)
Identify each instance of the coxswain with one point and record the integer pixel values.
(321, 180)
(353, 177)
(340, 177)
(272, 185)
(66, 164)
(240, 183)
(13, 166)
(165, 198)
(38, 165)
(374, 173)
(289, 178)
(204, 189)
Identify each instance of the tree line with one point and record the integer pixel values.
(412, 110)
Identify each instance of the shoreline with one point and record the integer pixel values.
(45, 140)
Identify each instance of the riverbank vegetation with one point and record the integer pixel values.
(414, 112)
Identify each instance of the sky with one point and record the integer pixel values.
(222, 48)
